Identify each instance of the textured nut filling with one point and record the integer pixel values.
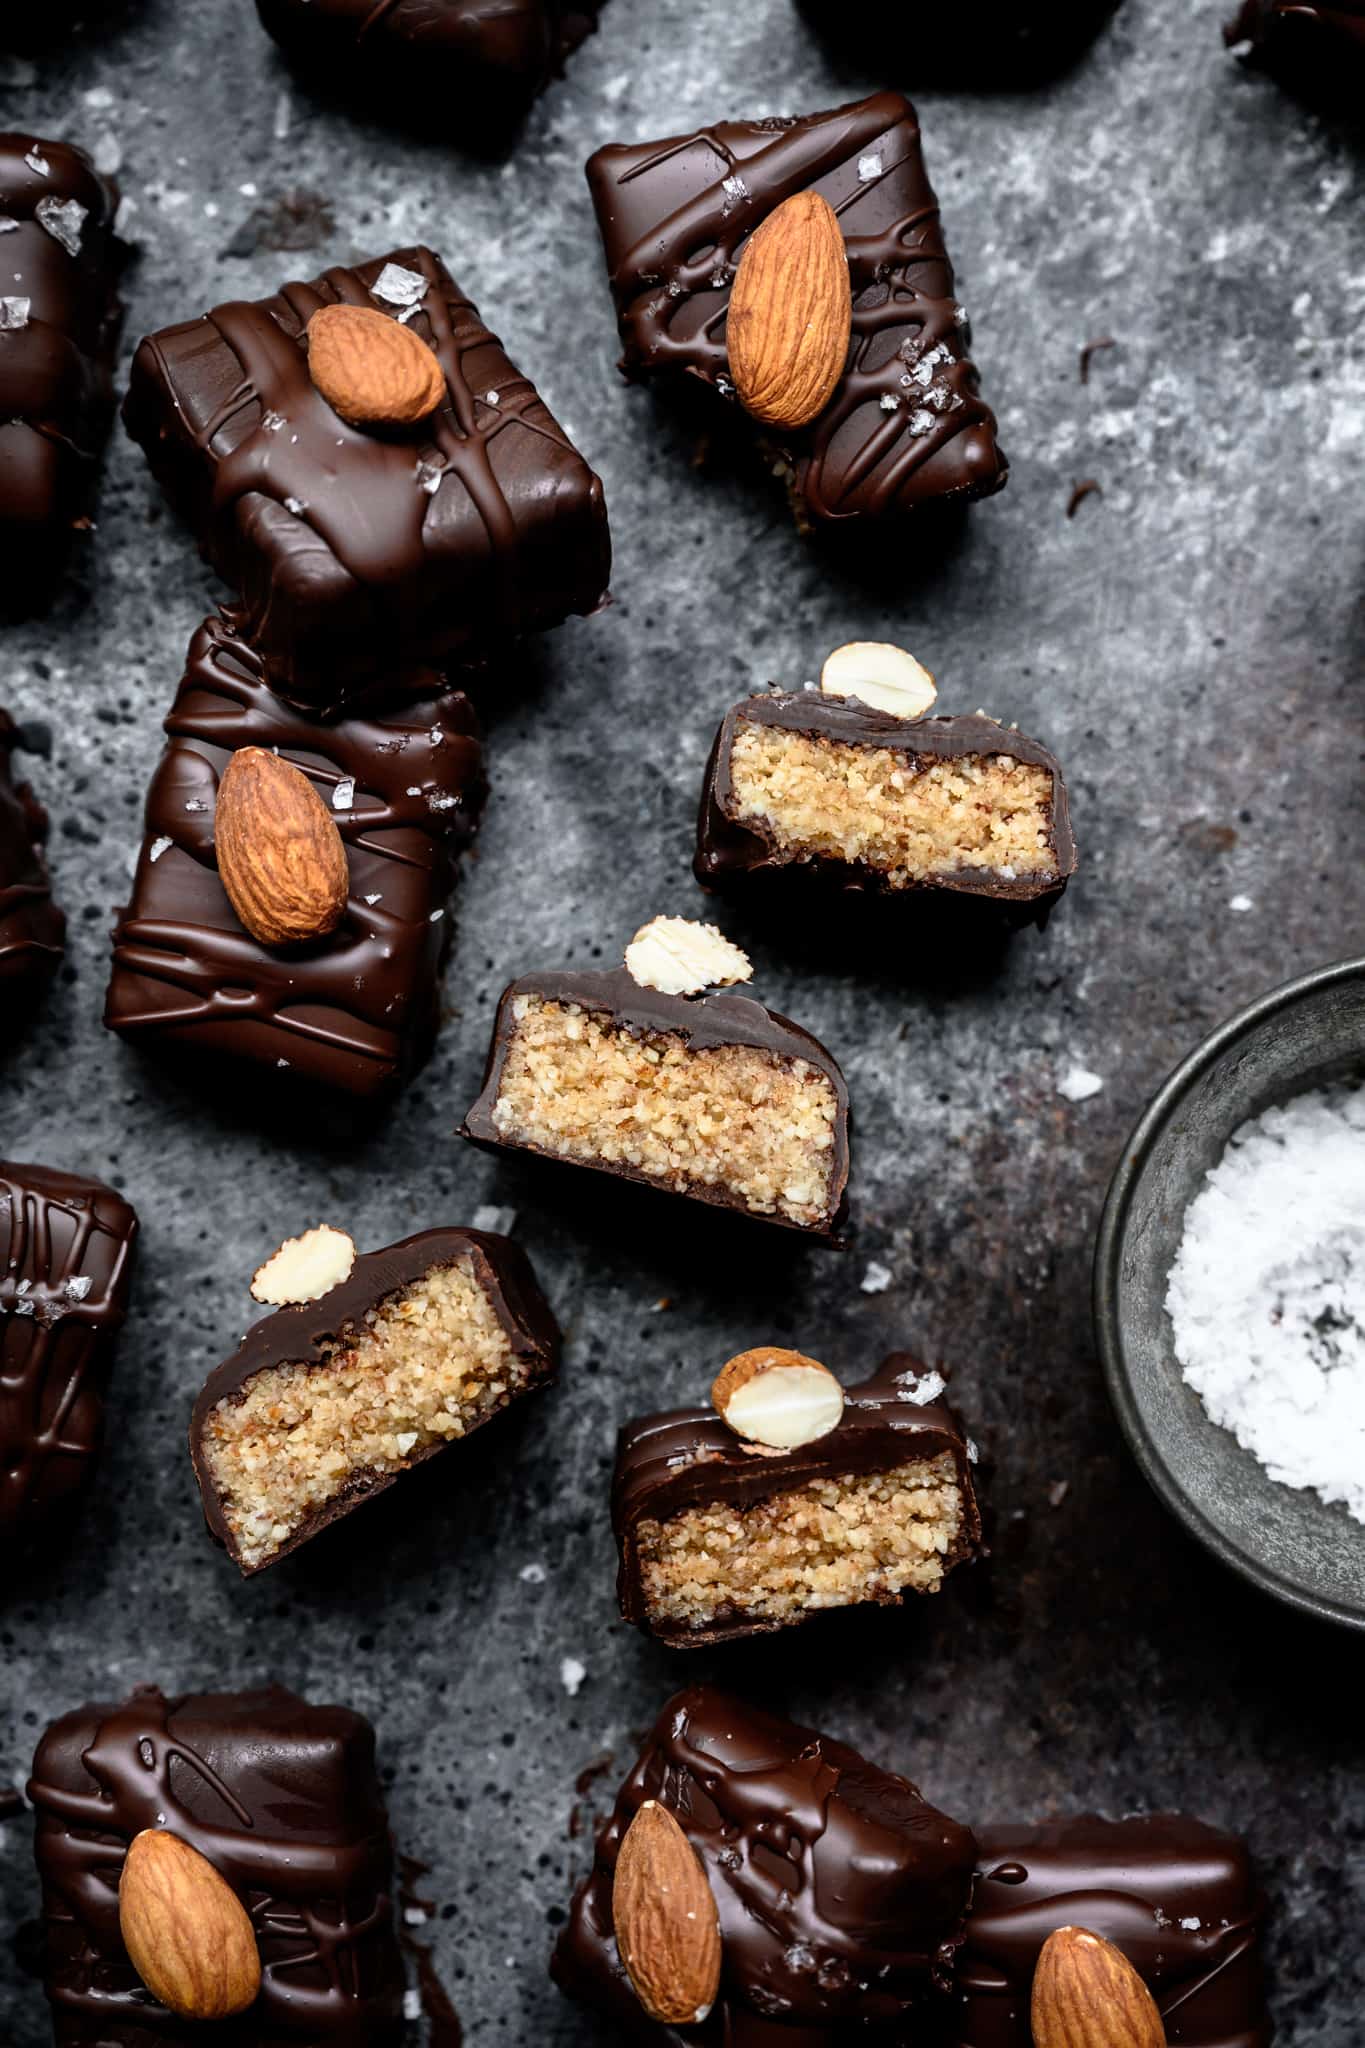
(829, 1543)
(421, 1368)
(910, 816)
(581, 1087)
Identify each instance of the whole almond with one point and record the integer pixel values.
(372, 369)
(791, 313)
(778, 1398)
(665, 1919)
(1086, 1994)
(186, 1931)
(280, 854)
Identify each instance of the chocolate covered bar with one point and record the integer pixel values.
(32, 928)
(282, 1801)
(706, 1095)
(68, 1247)
(1175, 1895)
(828, 788)
(327, 1402)
(839, 1891)
(355, 1007)
(903, 425)
(722, 1534)
(59, 318)
(428, 506)
(490, 61)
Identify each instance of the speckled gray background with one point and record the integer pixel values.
(1189, 643)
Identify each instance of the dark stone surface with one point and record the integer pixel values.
(1188, 643)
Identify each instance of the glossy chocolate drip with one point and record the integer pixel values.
(701, 1023)
(302, 1335)
(466, 48)
(56, 385)
(32, 929)
(689, 1458)
(283, 1800)
(840, 1890)
(68, 1246)
(1176, 1895)
(731, 849)
(355, 1010)
(354, 549)
(674, 217)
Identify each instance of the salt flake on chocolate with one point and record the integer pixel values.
(14, 314)
(63, 220)
(399, 287)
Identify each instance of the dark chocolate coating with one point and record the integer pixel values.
(1322, 46)
(32, 928)
(283, 1799)
(298, 1335)
(1134, 1882)
(356, 1010)
(670, 231)
(56, 369)
(840, 1890)
(68, 1264)
(666, 1464)
(495, 59)
(730, 851)
(703, 1023)
(370, 569)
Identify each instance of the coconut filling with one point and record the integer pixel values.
(424, 1366)
(759, 1125)
(912, 816)
(831, 1542)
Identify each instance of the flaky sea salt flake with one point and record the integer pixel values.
(399, 287)
(63, 219)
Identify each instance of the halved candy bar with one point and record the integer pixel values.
(32, 928)
(326, 1403)
(829, 787)
(1176, 1895)
(711, 1096)
(839, 1890)
(720, 1537)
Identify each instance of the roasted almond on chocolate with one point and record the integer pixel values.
(665, 1920)
(791, 313)
(1086, 1994)
(371, 368)
(280, 855)
(187, 1933)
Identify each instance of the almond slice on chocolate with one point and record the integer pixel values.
(280, 855)
(790, 315)
(373, 370)
(187, 1933)
(883, 677)
(681, 958)
(665, 1920)
(778, 1398)
(1086, 1994)
(305, 1268)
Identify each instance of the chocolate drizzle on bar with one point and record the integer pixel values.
(66, 1259)
(353, 550)
(355, 1010)
(32, 928)
(905, 425)
(689, 1458)
(283, 1799)
(733, 849)
(840, 1890)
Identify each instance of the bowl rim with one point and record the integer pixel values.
(1104, 1295)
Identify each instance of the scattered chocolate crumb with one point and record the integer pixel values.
(1091, 348)
(294, 220)
(1206, 837)
(1086, 488)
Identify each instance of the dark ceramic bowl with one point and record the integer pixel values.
(1281, 1538)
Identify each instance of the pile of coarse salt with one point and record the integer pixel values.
(1267, 1293)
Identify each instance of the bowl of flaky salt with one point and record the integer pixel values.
(1230, 1293)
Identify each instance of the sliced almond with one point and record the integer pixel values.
(372, 369)
(187, 1933)
(280, 855)
(778, 1398)
(665, 1919)
(1086, 1994)
(880, 675)
(680, 958)
(305, 1268)
(790, 315)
